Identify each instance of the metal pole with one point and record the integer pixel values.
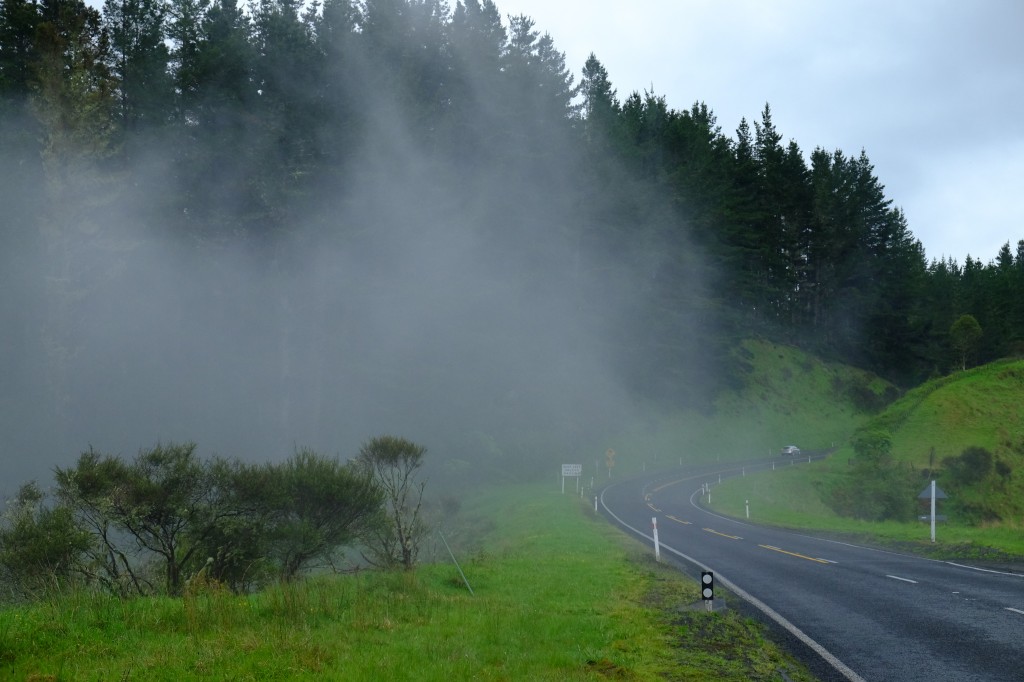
(452, 555)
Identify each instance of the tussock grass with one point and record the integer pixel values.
(560, 595)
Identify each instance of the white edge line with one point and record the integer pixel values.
(828, 656)
(906, 580)
(1015, 610)
(983, 570)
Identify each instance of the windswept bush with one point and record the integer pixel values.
(41, 547)
(239, 524)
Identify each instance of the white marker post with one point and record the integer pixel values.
(748, 509)
(657, 547)
(933, 511)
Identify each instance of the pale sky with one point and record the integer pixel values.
(932, 90)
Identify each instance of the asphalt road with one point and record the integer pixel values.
(866, 614)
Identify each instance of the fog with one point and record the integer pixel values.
(459, 305)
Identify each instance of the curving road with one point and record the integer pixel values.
(867, 614)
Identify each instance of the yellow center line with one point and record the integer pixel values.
(653, 507)
(801, 556)
(686, 523)
(731, 537)
(675, 482)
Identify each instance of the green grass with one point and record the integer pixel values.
(983, 406)
(787, 397)
(559, 595)
(788, 497)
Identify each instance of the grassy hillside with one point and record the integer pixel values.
(559, 595)
(782, 396)
(980, 408)
(983, 407)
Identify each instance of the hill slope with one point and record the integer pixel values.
(937, 426)
(781, 396)
(930, 428)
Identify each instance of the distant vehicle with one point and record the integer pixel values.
(791, 450)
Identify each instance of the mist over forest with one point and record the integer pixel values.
(276, 226)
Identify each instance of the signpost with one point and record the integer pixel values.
(610, 459)
(932, 493)
(572, 470)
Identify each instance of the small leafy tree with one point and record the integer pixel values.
(88, 490)
(392, 462)
(234, 536)
(965, 335)
(315, 505)
(876, 488)
(41, 547)
(166, 500)
(873, 449)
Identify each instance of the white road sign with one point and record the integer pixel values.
(572, 469)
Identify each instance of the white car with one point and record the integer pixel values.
(791, 450)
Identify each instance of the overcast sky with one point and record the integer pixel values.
(932, 90)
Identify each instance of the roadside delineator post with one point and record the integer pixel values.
(657, 547)
(707, 588)
(933, 511)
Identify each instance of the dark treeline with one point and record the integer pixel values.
(813, 255)
(394, 170)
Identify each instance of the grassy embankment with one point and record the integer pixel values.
(559, 595)
(783, 396)
(981, 407)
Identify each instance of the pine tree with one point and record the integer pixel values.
(139, 60)
(18, 22)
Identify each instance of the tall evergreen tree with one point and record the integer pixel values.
(139, 60)
(218, 102)
(600, 106)
(478, 41)
(18, 21)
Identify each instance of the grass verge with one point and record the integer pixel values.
(559, 595)
(788, 498)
